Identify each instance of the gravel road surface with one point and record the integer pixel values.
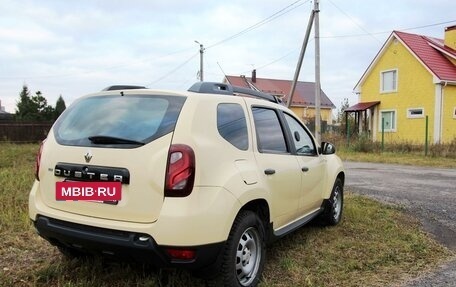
(428, 193)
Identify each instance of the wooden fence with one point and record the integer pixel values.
(24, 132)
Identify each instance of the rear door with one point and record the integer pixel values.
(279, 167)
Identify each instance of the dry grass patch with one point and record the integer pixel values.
(417, 159)
(375, 245)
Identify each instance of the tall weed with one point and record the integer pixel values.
(364, 144)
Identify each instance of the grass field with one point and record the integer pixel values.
(363, 149)
(398, 158)
(375, 245)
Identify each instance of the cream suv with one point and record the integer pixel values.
(208, 177)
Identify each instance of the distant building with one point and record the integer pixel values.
(303, 103)
(3, 114)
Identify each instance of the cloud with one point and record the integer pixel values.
(74, 48)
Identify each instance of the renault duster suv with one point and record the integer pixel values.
(206, 178)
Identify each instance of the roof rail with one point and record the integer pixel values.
(122, 87)
(227, 89)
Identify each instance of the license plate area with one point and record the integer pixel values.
(101, 192)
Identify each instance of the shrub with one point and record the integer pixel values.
(443, 150)
(363, 143)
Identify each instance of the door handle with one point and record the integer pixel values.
(305, 169)
(269, 171)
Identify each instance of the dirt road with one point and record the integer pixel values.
(428, 193)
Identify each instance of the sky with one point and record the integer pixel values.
(72, 48)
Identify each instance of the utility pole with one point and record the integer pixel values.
(317, 74)
(201, 75)
(301, 57)
(314, 19)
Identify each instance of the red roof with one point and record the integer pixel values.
(361, 106)
(431, 52)
(304, 94)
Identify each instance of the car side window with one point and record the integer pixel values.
(269, 131)
(232, 125)
(301, 138)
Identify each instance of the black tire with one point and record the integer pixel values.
(245, 253)
(333, 207)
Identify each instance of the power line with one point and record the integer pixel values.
(276, 60)
(349, 36)
(427, 26)
(268, 19)
(388, 32)
(98, 70)
(284, 11)
(272, 62)
(353, 20)
(148, 59)
(173, 70)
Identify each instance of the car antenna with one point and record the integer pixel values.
(221, 69)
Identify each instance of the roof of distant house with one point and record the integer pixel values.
(304, 95)
(5, 115)
(432, 53)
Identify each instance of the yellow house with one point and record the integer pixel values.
(303, 102)
(412, 77)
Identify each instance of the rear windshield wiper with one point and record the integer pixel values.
(112, 140)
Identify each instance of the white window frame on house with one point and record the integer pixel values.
(394, 126)
(454, 113)
(415, 113)
(394, 84)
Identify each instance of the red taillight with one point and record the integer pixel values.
(181, 254)
(38, 161)
(180, 172)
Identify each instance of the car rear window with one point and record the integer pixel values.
(135, 118)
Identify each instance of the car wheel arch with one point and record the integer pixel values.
(330, 183)
(261, 208)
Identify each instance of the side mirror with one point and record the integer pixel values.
(327, 148)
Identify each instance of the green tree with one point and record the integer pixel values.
(59, 107)
(342, 118)
(43, 111)
(24, 107)
(33, 108)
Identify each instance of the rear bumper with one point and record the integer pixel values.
(122, 244)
